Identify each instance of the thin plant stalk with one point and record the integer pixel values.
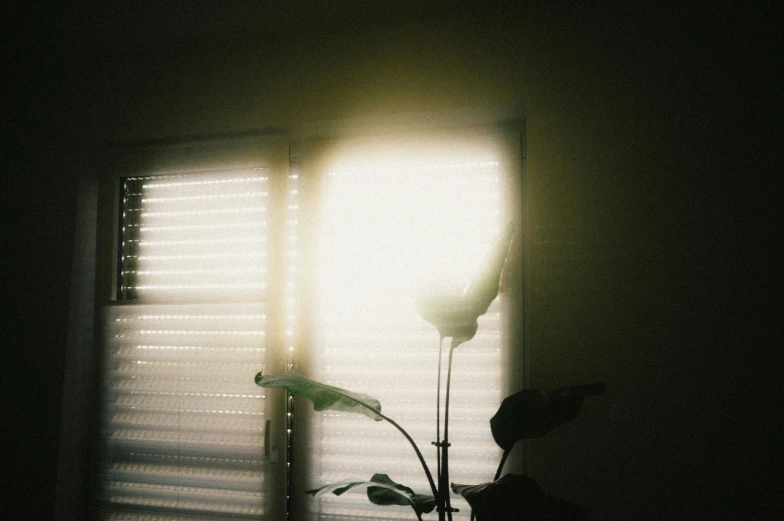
(422, 461)
(501, 465)
(429, 476)
(443, 483)
(439, 502)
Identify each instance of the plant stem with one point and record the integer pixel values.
(418, 453)
(501, 465)
(439, 502)
(429, 476)
(443, 482)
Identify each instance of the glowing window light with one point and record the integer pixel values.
(205, 242)
(191, 332)
(178, 185)
(203, 227)
(165, 287)
(212, 271)
(227, 211)
(394, 219)
(194, 317)
(197, 348)
(202, 198)
(228, 255)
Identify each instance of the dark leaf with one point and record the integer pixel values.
(391, 493)
(483, 497)
(532, 413)
(517, 497)
(382, 491)
(324, 397)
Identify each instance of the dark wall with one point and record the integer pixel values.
(646, 144)
(39, 201)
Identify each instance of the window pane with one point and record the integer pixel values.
(394, 219)
(195, 236)
(185, 422)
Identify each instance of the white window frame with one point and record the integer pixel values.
(281, 150)
(170, 158)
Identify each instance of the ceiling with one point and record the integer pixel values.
(111, 27)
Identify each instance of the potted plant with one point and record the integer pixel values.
(526, 414)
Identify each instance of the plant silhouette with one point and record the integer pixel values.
(527, 414)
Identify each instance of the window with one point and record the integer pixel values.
(301, 256)
(186, 426)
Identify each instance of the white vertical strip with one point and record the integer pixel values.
(391, 222)
(292, 263)
(292, 266)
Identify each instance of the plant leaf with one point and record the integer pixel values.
(387, 492)
(484, 287)
(532, 413)
(445, 308)
(453, 311)
(324, 397)
(382, 491)
(514, 496)
(338, 488)
(485, 496)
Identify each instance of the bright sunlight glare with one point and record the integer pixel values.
(397, 218)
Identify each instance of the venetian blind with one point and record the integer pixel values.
(185, 421)
(395, 218)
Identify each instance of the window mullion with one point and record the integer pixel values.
(276, 440)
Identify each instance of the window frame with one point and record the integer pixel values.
(284, 150)
(177, 158)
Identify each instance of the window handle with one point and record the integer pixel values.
(267, 448)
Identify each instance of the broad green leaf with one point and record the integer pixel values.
(324, 397)
(381, 490)
(517, 497)
(455, 311)
(532, 413)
